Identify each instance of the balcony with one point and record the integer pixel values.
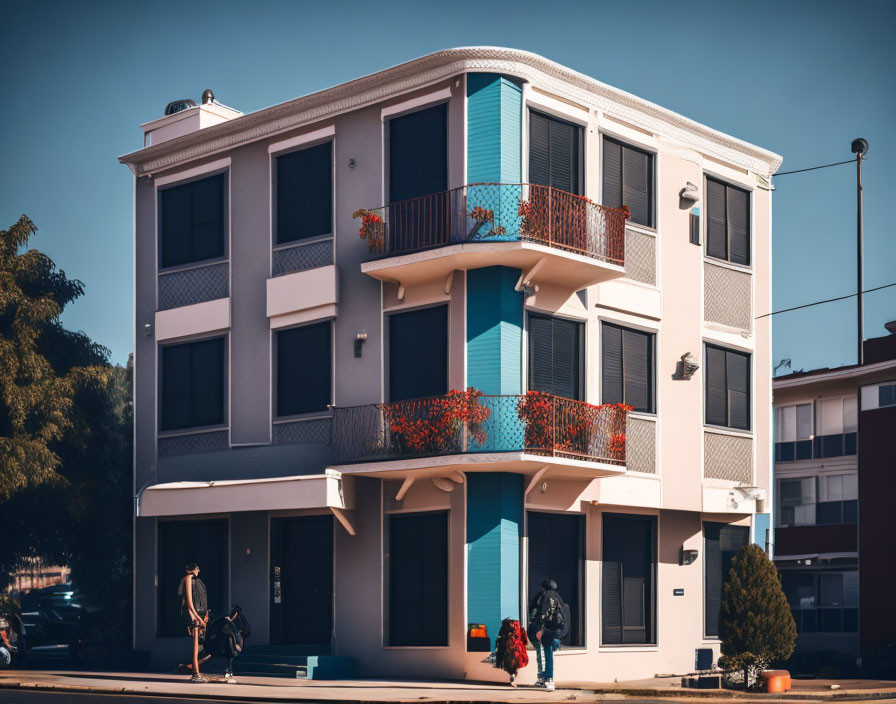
(468, 431)
(551, 235)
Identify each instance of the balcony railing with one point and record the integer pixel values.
(463, 422)
(497, 212)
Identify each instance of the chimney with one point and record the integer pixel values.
(185, 116)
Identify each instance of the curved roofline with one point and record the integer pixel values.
(376, 87)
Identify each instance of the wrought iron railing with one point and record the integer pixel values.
(497, 212)
(469, 422)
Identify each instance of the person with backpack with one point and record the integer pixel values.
(194, 609)
(548, 622)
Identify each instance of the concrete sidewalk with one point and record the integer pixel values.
(270, 689)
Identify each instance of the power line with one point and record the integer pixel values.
(813, 168)
(830, 300)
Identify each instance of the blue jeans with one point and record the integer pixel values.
(547, 643)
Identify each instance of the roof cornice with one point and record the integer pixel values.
(852, 372)
(375, 88)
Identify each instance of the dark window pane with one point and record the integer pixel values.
(304, 369)
(791, 491)
(716, 220)
(804, 450)
(555, 356)
(638, 365)
(305, 193)
(716, 387)
(829, 512)
(175, 389)
(721, 543)
(849, 443)
(784, 452)
(738, 378)
(554, 153)
(832, 445)
(886, 395)
(637, 186)
(176, 245)
(418, 579)
(851, 511)
(192, 221)
(418, 353)
(739, 225)
(788, 515)
(829, 620)
(629, 564)
(612, 387)
(192, 384)
(809, 620)
(612, 174)
(418, 153)
(850, 620)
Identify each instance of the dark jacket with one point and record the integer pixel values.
(200, 597)
(539, 610)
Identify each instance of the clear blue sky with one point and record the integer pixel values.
(800, 78)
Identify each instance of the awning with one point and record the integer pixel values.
(327, 490)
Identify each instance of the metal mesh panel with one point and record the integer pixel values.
(728, 457)
(301, 257)
(303, 431)
(726, 296)
(640, 446)
(192, 443)
(184, 288)
(462, 422)
(640, 257)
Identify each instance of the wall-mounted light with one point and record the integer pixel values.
(689, 193)
(687, 557)
(689, 366)
(529, 290)
(351, 163)
(147, 330)
(360, 339)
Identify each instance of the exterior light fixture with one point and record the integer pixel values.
(689, 366)
(360, 339)
(351, 163)
(147, 329)
(689, 193)
(687, 557)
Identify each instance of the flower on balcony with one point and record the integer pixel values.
(627, 211)
(617, 445)
(371, 228)
(481, 214)
(437, 425)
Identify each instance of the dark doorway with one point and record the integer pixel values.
(182, 542)
(556, 552)
(721, 542)
(418, 579)
(302, 581)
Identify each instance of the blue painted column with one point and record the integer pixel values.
(494, 527)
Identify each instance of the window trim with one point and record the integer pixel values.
(653, 227)
(744, 432)
(200, 173)
(310, 415)
(704, 225)
(653, 353)
(193, 429)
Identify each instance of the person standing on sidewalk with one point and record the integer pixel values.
(194, 609)
(547, 622)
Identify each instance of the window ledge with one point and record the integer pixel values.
(192, 265)
(722, 430)
(745, 268)
(161, 434)
(643, 415)
(315, 415)
(642, 229)
(634, 648)
(302, 241)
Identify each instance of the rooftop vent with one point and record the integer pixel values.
(179, 105)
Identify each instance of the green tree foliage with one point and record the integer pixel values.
(755, 625)
(65, 438)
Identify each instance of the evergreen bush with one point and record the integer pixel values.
(755, 624)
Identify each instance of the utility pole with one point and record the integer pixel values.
(860, 149)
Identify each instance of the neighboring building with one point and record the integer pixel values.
(36, 575)
(295, 434)
(834, 450)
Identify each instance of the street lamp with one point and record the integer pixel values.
(860, 149)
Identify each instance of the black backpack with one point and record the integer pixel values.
(554, 616)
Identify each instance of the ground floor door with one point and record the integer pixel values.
(302, 581)
(556, 551)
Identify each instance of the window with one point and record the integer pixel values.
(886, 395)
(182, 542)
(555, 149)
(192, 384)
(628, 180)
(721, 542)
(192, 221)
(627, 374)
(557, 551)
(555, 356)
(793, 433)
(304, 375)
(305, 193)
(823, 602)
(628, 580)
(727, 222)
(796, 499)
(838, 499)
(418, 353)
(418, 579)
(836, 427)
(727, 379)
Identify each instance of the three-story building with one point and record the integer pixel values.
(408, 346)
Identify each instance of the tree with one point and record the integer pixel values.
(65, 437)
(755, 625)
(42, 365)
